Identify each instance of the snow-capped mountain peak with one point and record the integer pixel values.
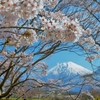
(68, 74)
(69, 68)
(77, 69)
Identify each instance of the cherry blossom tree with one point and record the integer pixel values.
(32, 30)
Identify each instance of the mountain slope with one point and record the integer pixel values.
(68, 69)
(69, 76)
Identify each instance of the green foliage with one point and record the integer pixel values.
(11, 99)
(32, 99)
(98, 98)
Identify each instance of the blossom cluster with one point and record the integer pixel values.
(23, 57)
(51, 3)
(89, 45)
(22, 39)
(55, 26)
(65, 30)
(12, 10)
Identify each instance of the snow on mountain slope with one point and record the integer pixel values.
(69, 69)
(68, 75)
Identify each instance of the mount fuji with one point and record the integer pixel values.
(69, 69)
(67, 74)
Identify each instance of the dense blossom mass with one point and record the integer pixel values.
(54, 26)
(31, 31)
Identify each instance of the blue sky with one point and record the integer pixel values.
(66, 57)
